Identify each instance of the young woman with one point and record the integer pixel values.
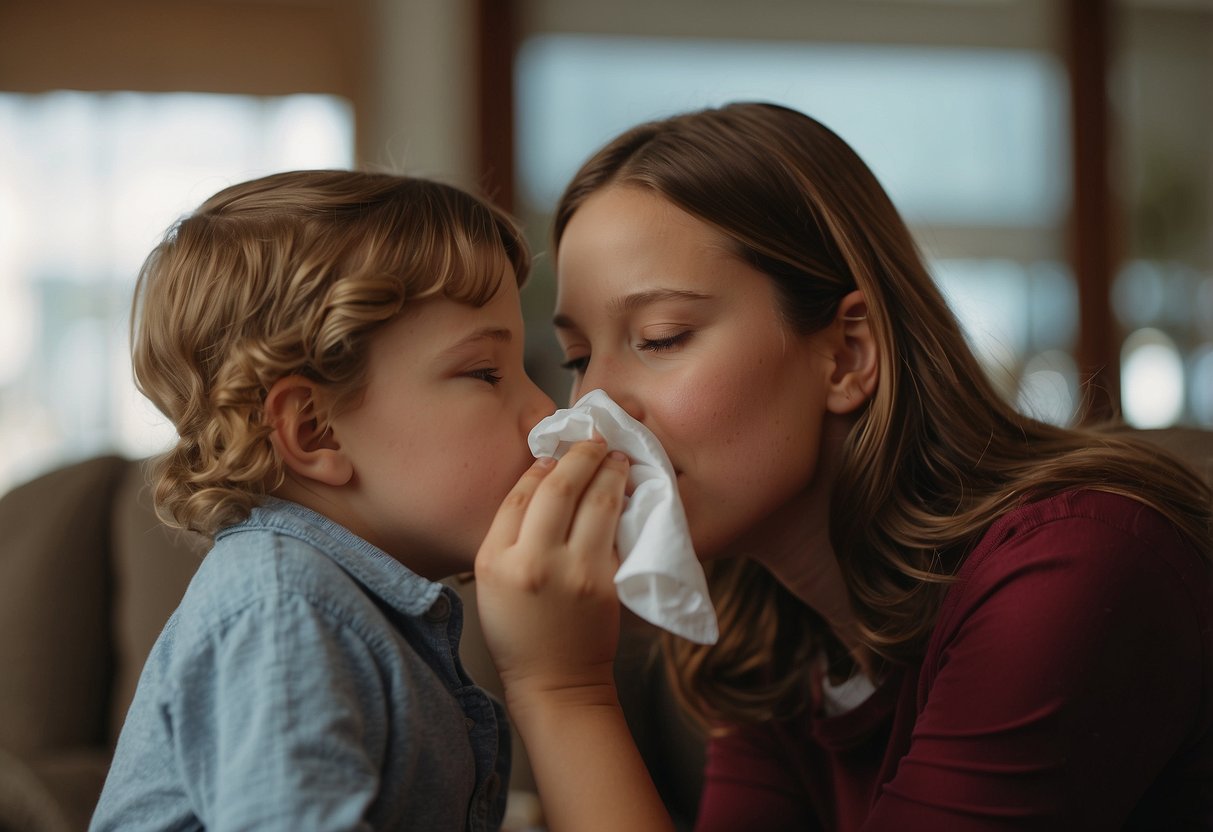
(936, 613)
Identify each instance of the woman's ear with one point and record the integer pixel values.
(856, 359)
(295, 408)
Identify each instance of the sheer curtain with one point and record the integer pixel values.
(89, 182)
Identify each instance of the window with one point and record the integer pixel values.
(970, 143)
(89, 183)
(966, 136)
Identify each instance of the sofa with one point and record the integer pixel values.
(88, 576)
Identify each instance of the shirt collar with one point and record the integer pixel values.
(379, 572)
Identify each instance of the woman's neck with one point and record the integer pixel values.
(794, 546)
(803, 561)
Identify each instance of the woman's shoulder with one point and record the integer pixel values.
(1078, 635)
(1081, 524)
(1082, 551)
(1083, 584)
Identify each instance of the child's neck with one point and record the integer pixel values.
(334, 504)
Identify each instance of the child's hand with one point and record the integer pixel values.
(545, 579)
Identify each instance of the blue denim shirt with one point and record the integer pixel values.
(308, 681)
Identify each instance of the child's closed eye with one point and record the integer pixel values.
(490, 375)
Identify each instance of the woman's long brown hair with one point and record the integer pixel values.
(936, 456)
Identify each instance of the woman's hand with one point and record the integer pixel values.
(545, 580)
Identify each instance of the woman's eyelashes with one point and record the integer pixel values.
(669, 342)
(578, 364)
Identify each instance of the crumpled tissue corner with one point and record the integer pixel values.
(659, 578)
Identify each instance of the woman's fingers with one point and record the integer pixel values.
(552, 507)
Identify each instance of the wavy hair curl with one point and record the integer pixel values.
(290, 273)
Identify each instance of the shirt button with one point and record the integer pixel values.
(440, 610)
(469, 723)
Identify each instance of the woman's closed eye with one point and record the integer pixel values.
(667, 343)
(577, 365)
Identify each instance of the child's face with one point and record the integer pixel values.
(440, 435)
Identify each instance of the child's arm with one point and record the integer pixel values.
(547, 602)
(280, 721)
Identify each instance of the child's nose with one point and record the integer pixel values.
(537, 406)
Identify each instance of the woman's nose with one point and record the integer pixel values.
(609, 380)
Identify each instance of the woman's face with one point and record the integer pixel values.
(653, 308)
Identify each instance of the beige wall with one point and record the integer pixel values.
(1162, 109)
(406, 65)
(420, 94)
(995, 23)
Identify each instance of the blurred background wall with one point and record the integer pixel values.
(1053, 158)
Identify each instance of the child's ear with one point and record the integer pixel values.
(856, 359)
(295, 408)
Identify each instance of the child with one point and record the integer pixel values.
(341, 354)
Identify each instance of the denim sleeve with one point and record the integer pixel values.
(280, 720)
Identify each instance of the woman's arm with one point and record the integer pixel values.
(546, 593)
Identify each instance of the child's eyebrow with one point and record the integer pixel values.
(488, 333)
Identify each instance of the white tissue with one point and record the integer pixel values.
(659, 577)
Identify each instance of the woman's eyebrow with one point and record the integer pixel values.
(639, 300)
(617, 307)
(562, 321)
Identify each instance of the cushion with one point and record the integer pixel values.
(54, 608)
(152, 566)
(26, 804)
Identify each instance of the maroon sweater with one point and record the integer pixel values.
(1068, 685)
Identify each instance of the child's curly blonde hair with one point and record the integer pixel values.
(290, 274)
